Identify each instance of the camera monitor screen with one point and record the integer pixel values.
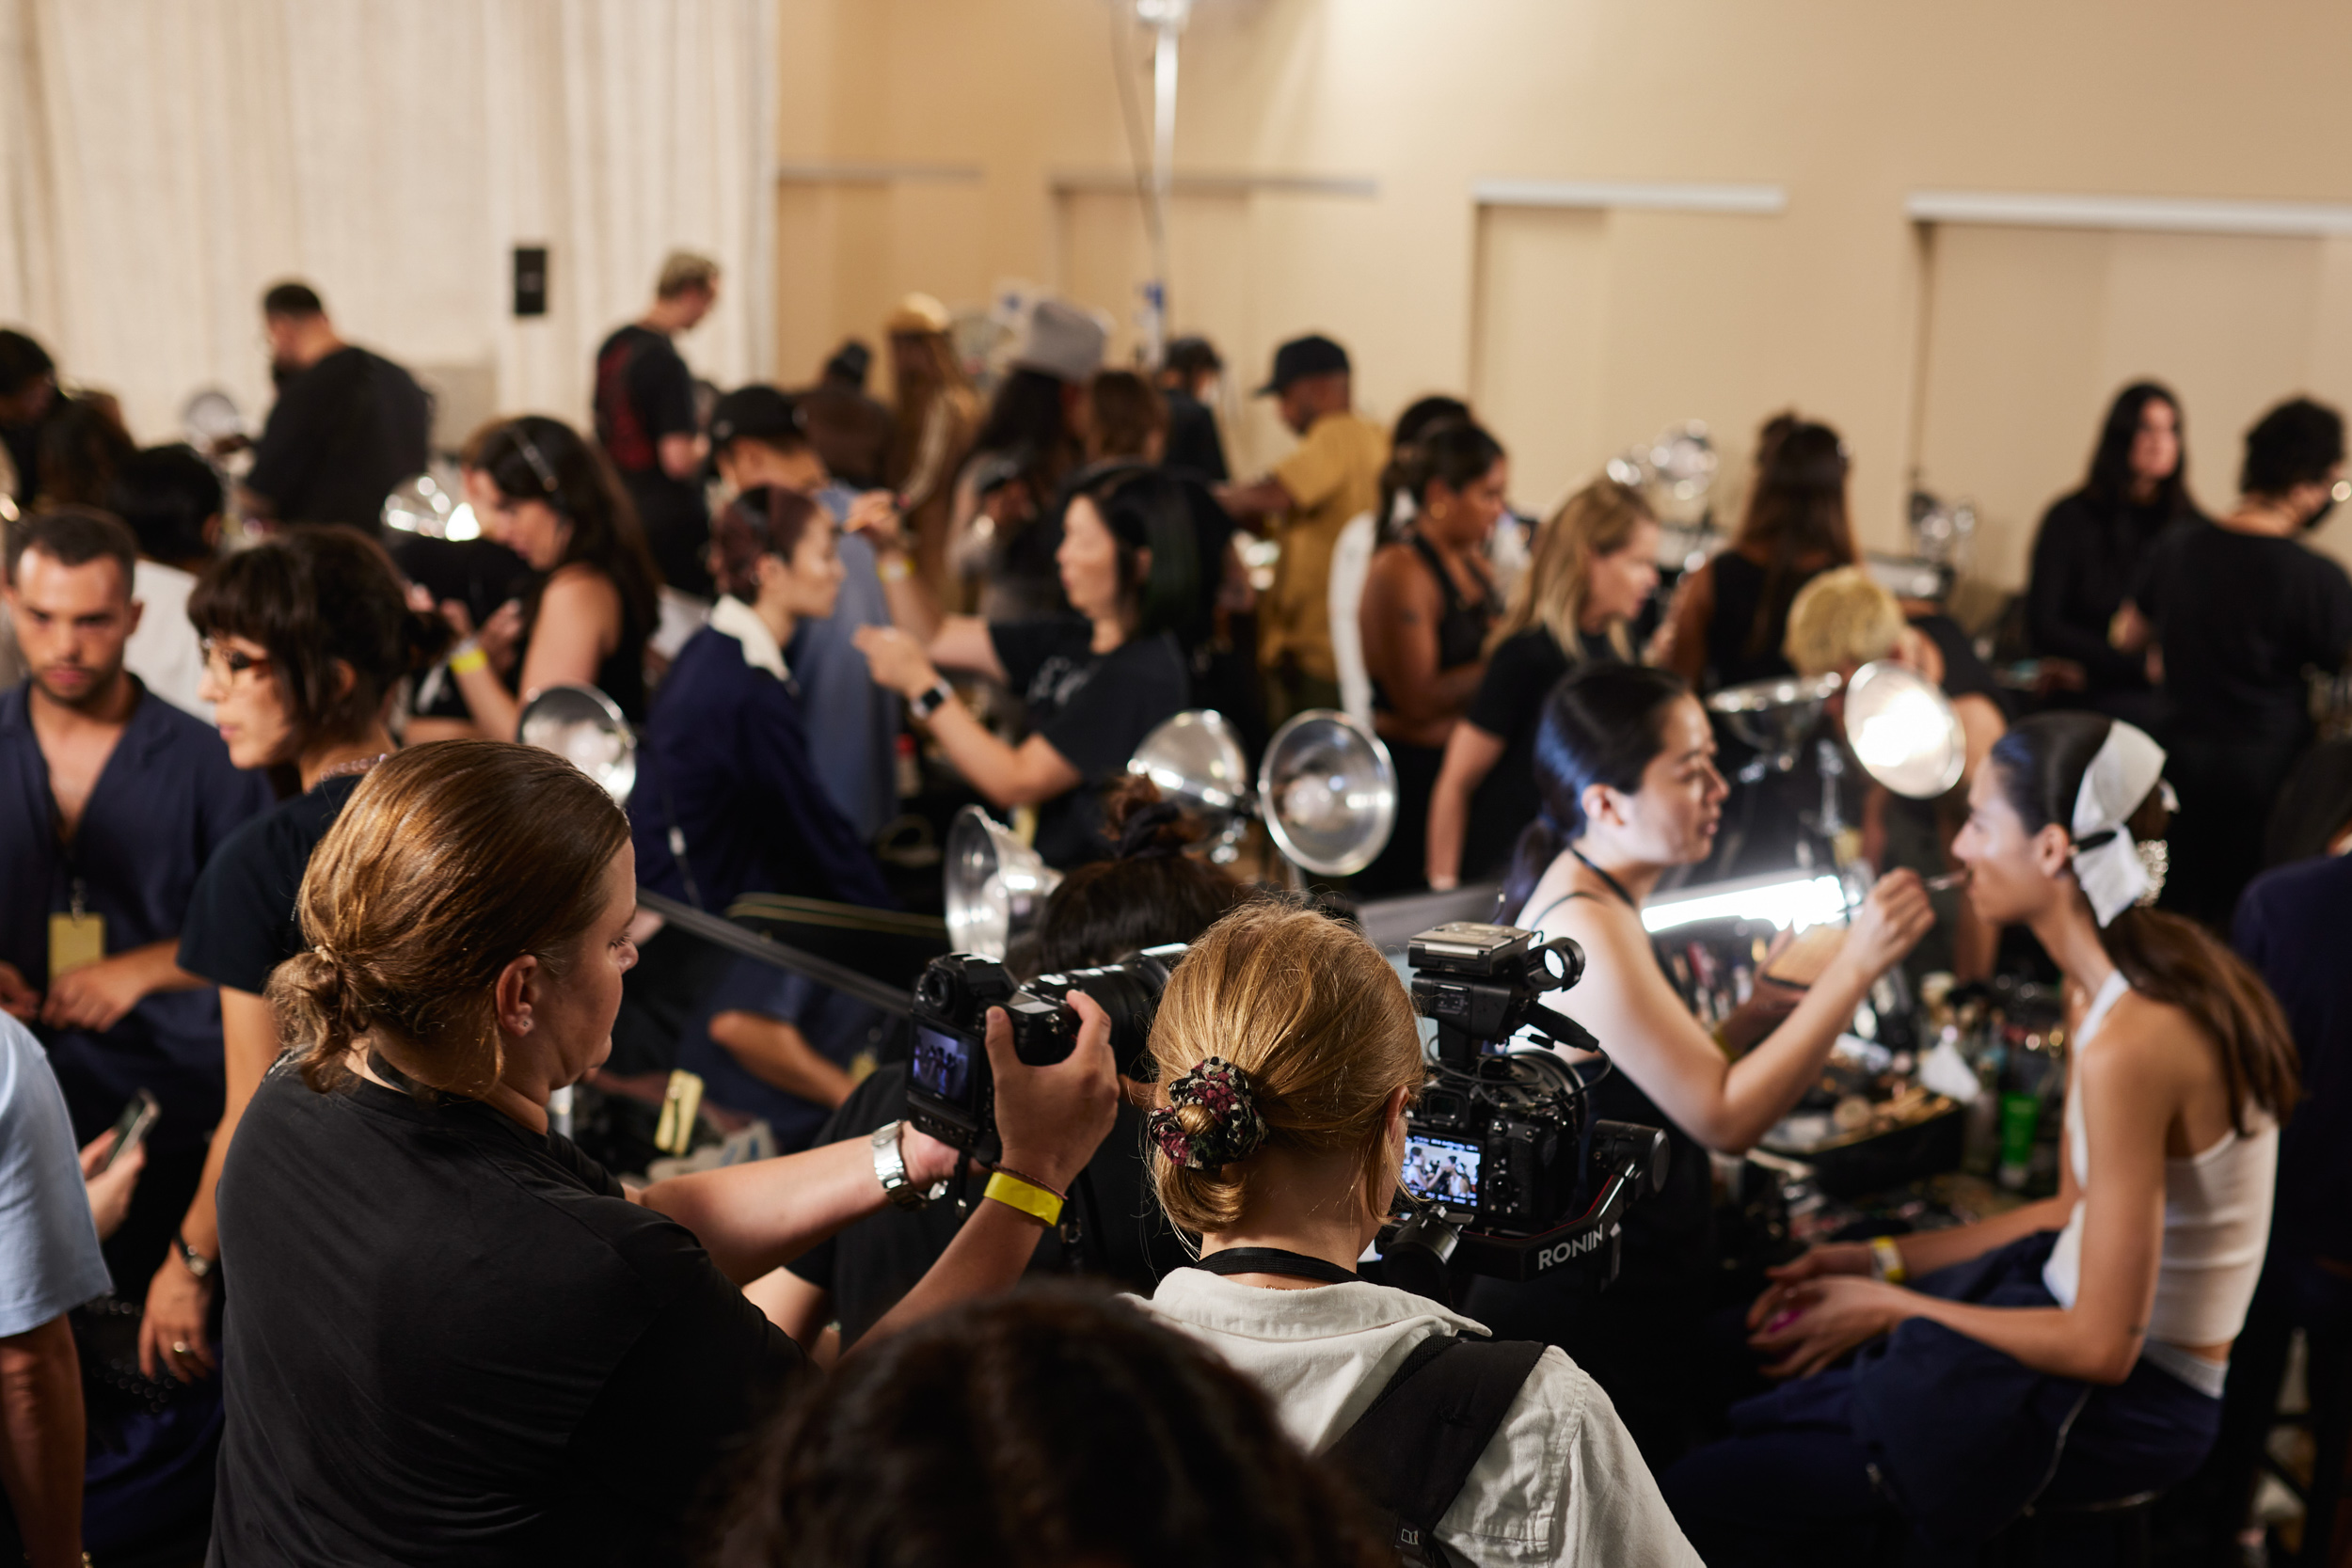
(943, 1064)
(1442, 1170)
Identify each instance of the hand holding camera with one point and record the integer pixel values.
(1052, 1118)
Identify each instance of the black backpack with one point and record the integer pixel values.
(1413, 1450)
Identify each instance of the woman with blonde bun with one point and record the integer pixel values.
(1288, 1054)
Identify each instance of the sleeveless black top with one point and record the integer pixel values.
(621, 673)
(1739, 598)
(1669, 1235)
(1461, 623)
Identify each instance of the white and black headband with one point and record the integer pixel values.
(2115, 872)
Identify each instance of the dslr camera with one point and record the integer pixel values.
(1512, 1175)
(951, 1094)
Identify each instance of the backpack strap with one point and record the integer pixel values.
(1413, 1450)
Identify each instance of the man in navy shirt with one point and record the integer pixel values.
(111, 800)
(2291, 927)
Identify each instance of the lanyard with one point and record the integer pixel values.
(1275, 1260)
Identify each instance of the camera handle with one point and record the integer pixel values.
(1459, 1047)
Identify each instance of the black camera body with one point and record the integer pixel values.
(1513, 1175)
(952, 1092)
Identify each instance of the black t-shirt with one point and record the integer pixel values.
(241, 921)
(341, 435)
(1193, 446)
(1509, 706)
(456, 1341)
(644, 393)
(869, 1267)
(2085, 560)
(1093, 708)
(2240, 616)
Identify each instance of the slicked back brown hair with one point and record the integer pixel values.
(449, 860)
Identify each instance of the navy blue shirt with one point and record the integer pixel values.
(725, 759)
(2290, 926)
(166, 801)
(838, 1028)
(242, 923)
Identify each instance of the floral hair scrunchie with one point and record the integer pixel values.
(1222, 1089)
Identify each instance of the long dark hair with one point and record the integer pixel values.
(539, 459)
(2039, 765)
(2109, 485)
(1797, 510)
(1050, 1426)
(1604, 724)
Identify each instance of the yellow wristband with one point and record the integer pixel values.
(1017, 1191)
(895, 567)
(1886, 1261)
(468, 660)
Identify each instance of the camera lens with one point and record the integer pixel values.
(1562, 962)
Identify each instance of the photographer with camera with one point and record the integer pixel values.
(457, 1338)
(1150, 893)
(1625, 762)
(1288, 1054)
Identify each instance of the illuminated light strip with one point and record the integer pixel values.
(1816, 901)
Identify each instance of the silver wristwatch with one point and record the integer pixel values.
(890, 1169)
(195, 1261)
(929, 700)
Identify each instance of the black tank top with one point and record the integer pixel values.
(1739, 599)
(621, 673)
(1462, 623)
(1671, 1233)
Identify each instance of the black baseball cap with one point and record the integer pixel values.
(758, 412)
(1301, 358)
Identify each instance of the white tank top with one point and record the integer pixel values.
(2217, 1217)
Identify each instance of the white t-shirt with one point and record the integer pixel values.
(165, 652)
(1560, 1482)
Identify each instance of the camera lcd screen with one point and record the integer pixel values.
(1442, 1170)
(943, 1064)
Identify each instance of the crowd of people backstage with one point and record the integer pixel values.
(386, 1312)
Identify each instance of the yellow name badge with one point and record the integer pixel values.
(76, 939)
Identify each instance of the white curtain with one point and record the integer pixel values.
(162, 162)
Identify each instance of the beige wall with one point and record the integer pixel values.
(1981, 357)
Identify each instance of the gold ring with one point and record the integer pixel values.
(178, 1347)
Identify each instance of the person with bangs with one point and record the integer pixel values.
(307, 637)
(553, 500)
(1096, 681)
(2072, 1353)
(1594, 567)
